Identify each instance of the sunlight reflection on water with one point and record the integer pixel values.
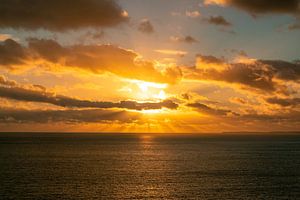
(86, 166)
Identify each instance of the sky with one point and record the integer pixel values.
(159, 66)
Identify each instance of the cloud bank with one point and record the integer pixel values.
(10, 91)
(91, 58)
(60, 15)
(260, 6)
(261, 75)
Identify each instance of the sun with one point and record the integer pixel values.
(157, 111)
(150, 91)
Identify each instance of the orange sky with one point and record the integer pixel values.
(115, 69)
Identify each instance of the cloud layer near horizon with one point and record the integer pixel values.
(9, 89)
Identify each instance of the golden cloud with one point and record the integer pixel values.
(91, 58)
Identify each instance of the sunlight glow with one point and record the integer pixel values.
(149, 84)
(162, 95)
(152, 111)
(148, 90)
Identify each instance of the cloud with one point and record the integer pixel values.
(12, 53)
(42, 96)
(263, 75)
(66, 116)
(171, 52)
(186, 39)
(283, 118)
(260, 6)
(238, 100)
(237, 52)
(94, 35)
(284, 70)
(5, 81)
(4, 37)
(284, 102)
(295, 26)
(192, 14)
(204, 59)
(209, 110)
(218, 21)
(92, 58)
(286, 117)
(145, 26)
(60, 15)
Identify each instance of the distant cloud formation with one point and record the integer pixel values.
(12, 53)
(284, 102)
(295, 26)
(171, 52)
(66, 116)
(193, 14)
(205, 109)
(218, 21)
(42, 96)
(185, 39)
(4, 37)
(264, 75)
(5, 81)
(60, 15)
(284, 70)
(91, 58)
(145, 26)
(261, 6)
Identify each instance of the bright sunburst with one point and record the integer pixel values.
(150, 91)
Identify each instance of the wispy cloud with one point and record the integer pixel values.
(145, 26)
(185, 39)
(171, 52)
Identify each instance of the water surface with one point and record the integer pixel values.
(119, 166)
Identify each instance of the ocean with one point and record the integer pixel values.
(146, 166)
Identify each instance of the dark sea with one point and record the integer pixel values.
(124, 166)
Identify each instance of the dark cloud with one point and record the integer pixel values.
(41, 96)
(146, 26)
(92, 58)
(186, 96)
(284, 102)
(237, 52)
(60, 15)
(247, 75)
(209, 110)
(12, 53)
(187, 39)
(262, 6)
(284, 70)
(266, 6)
(289, 117)
(218, 21)
(210, 59)
(66, 116)
(294, 27)
(259, 75)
